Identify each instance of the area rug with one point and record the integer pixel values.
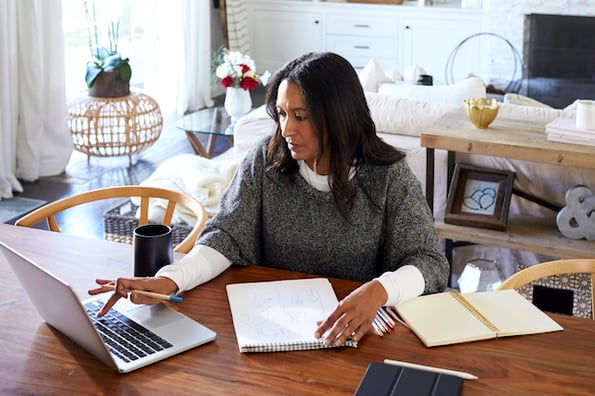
(15, 207)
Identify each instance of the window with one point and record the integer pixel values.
(77, 27)
(151, 36)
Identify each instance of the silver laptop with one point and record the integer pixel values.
(158, 331)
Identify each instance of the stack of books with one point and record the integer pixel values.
(565, 130)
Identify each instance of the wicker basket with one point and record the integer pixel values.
(107, 127)
(120, 222)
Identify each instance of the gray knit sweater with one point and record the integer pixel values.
(263, 221)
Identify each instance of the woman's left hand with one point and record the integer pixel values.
(353, 316)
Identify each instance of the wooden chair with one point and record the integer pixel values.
(557, 267)
(48, 212)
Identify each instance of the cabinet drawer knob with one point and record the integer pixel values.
(407, 27)
(358, 25)
(361, 46)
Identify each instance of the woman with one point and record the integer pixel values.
(323, 195)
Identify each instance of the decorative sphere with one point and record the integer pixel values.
(481, 112)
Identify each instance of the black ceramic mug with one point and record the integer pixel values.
(152, 248)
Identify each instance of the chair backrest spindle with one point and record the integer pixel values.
(48, 212)
(555, 267)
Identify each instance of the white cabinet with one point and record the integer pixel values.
(429, 41)
(361, 36)
(280, 35)
(396, 36)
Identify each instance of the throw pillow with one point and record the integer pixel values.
(372, 75)
(393, 75)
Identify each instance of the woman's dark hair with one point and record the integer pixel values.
(337, 106)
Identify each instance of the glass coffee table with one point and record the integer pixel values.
(212, 121)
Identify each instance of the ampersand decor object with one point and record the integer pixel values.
(577, 219)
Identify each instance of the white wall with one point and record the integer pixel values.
(506, 18)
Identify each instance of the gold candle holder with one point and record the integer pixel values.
(481, 112)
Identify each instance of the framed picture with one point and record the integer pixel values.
(479, 197)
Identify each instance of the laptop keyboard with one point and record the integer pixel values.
(123, 336)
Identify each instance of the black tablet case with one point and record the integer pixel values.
(387, 380)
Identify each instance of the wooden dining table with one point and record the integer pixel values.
(37, 359)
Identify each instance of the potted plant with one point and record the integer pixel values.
(108, 74)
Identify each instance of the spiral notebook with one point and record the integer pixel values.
(452, 317)
(275, 316)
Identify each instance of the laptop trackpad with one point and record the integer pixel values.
(155, 316)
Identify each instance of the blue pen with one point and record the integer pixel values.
(157, 295)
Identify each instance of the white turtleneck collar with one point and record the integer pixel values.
(319, 182)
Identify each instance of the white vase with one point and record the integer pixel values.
(237, 103)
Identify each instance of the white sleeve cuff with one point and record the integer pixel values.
(200, 265)
(404, 283)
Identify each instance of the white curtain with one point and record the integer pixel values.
(178, 55)
(194, 86)
(34, 137)
(237, 25)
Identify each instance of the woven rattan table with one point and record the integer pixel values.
(108, 127)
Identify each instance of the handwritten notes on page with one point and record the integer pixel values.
(280, 315)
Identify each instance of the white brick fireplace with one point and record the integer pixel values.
(506, 18)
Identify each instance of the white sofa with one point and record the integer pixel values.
(400, 117)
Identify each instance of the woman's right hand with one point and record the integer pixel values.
(122, 287)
